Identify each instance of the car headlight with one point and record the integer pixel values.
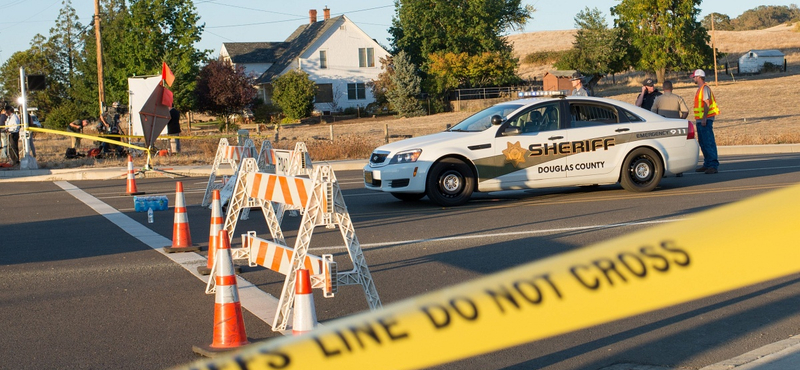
(406, 156)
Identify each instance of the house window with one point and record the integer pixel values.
(324, 93)
(323, 59)
(366, 57)
(356, 91)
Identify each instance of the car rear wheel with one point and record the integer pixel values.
(450, 183)
(642, 171)
(408, 197)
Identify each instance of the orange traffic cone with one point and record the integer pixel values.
(305, 315)
(213, 234)
(229, 333)
(131, 188)
(181, 237)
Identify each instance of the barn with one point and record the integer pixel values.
(753, 61)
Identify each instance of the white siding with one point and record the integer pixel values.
(341, 45)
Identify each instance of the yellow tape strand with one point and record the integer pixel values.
(755, 241)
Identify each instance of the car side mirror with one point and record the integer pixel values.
(496, 120)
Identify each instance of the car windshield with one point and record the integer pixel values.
(483, 120)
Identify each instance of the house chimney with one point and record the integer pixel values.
(326, 13)
(312, 16)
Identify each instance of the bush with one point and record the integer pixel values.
(262, 113)
(769, 68)
(62, 115)
(544, 57)
(294, 92)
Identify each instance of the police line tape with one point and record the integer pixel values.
(754, 240)
(104, 138)
(95, 137)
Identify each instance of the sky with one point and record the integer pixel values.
(270, 20)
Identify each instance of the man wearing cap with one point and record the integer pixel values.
(577, 85)
(648, 94)
(705, 109)
(670, 105)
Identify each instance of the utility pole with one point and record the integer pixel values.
(100, 89)
(714, 48)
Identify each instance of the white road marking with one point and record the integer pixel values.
(261, 304)
(496, 235)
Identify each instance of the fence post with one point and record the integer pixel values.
(386, 133)
(331, 127)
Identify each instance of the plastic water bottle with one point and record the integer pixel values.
(150, 215)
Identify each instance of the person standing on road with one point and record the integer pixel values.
(577, 85)
(12, 126)
(648, 94)
(670, 105)
(174, 128)
(705, 109)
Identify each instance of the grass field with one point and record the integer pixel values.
(755, 109)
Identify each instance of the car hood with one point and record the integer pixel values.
(440, 139)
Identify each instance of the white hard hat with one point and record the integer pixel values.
(699, 73)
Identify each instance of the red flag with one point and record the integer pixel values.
(166, 98)
(166, 74)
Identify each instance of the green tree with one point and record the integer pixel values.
(382, 85)
(36, 60)
(597, 50)
(223, 90)
(67, 41)
(722, 22)
(294, 92)
(420, 28)
(136, 40)
(765, 16)
(407, 87)
(663, 35)
(448, 71)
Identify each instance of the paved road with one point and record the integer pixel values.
(81, 292)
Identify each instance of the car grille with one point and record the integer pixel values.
(378, 158)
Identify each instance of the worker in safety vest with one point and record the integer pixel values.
(705, 109)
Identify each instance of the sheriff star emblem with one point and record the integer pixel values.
(515, 154)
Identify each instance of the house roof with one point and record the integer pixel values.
(766, 52)
(559, 73)
(255, 52)
(294, 46)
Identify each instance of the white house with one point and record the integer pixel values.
(334, 52)
(753, 61)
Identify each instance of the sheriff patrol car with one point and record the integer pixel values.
(533, 143)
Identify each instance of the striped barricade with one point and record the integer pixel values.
(320, 201)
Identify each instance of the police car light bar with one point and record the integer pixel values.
(553, 93)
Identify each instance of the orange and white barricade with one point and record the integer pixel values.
(232, 156)
(321, 202)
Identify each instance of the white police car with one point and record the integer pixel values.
(534, 143)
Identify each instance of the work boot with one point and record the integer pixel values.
(701, 169)
(711, 171)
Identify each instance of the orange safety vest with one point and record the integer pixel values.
(713, 109)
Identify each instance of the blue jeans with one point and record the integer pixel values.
(708, 145)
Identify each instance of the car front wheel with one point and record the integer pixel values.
(450, 183)
(642, 171)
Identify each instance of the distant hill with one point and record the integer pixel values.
(735, 43)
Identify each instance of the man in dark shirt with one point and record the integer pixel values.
(174, 128)
(648, 95)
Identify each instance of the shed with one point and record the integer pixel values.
(753, 61)
(557, 80)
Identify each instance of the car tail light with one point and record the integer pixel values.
(690, 134)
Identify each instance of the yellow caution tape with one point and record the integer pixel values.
(716, 251)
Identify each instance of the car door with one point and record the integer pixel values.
(594, 132)
(527, 144)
